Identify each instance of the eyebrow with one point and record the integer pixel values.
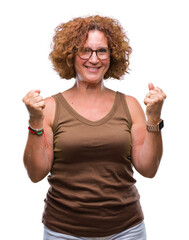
(97, 48)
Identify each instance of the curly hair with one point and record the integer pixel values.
(74, 34)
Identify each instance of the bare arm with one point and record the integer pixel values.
(38, 154)
(147, 146)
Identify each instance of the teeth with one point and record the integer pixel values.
(93, 68)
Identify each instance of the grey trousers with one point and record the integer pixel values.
(137, 232)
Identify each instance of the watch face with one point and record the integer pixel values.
(161, 125)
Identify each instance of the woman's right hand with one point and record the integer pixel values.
(38, 154)
(35, 105)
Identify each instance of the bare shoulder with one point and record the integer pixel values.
(50, 102)
(49, 110)
(136, 111)
(131, 101)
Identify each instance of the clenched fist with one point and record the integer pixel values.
(35, 105)
(154, 102)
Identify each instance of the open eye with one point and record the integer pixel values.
(102, 50)
(85, 50)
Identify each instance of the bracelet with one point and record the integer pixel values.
(155, 128)
(38, 132)
(35, 130)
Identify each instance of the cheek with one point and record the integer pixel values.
(107, 64)
(76, 62)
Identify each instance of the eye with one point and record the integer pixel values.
(86, 50)
(102, 50)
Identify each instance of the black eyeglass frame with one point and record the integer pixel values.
(96, 51)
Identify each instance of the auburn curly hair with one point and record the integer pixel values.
(74, 34)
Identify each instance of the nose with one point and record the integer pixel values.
(94, 59)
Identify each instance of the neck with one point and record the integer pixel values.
(89, 89)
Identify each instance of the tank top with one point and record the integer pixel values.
(92, 190)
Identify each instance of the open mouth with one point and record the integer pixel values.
(93, 69)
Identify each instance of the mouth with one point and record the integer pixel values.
(92, 69)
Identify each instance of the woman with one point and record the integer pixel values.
(89, 137)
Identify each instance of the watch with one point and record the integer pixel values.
(155, 128)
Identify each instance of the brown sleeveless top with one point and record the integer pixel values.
(92, 191)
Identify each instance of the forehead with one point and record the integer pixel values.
(96, 39)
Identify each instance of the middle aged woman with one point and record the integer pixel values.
(93, 137)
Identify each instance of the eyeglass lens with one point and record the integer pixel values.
(86, 53)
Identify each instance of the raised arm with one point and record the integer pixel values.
(38, 154)
(147, 146)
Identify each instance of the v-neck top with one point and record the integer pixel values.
(92, 189)
(79, 117)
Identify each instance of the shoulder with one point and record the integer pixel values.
(49, 102)
(135, 109)
(131, 101)
(49, 110)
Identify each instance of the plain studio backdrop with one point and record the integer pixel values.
(158, 33)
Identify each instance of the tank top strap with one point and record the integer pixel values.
(123, 109)
(58, 111)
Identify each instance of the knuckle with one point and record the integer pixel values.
(26, 101)
(162, 98)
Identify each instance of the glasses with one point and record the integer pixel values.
(85, 53)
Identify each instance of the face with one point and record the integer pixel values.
(93, 69)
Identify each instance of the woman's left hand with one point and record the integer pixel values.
(154, 101)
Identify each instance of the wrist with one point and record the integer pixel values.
(153, 121)
(37, 132)
(155, 127)
(36, 123)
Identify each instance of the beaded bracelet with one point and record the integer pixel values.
(38, 132)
